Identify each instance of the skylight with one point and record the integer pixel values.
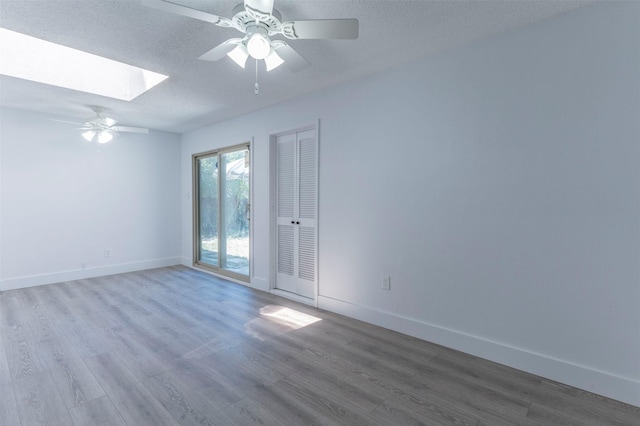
(30, 58)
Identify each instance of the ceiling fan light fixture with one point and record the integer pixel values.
(258, 46)
(89, 135)
(239, 55)
(273, 61)
(104, 136)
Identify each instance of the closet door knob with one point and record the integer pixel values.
(293, 222)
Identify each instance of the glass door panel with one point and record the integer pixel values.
(234, 236)
(208, 210)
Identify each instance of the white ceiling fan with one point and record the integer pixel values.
(102, 129)
(259, 21)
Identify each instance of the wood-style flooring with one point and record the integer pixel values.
(175, 346)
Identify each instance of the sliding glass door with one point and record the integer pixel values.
(222, 211)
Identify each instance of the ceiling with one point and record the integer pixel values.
(200, 92)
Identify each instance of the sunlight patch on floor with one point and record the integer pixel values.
(288, 317)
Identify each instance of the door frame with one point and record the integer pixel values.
(217, 270)
(273, 215)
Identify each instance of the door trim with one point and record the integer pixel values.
(314, 126)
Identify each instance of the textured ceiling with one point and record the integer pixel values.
(200, 92)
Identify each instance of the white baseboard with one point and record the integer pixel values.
(293, 296)
(600, 382)
(81, 274)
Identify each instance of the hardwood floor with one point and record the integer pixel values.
(174, 346)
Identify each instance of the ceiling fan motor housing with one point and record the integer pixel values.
(257, 29)
(242, 20)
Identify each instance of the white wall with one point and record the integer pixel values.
(498, 185)
(63, 201)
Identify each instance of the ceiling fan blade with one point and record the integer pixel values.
(259, 9)
(321, 29)
(129, 129)
(292, 59)
(221, 50)
(68, 122)
(178, 9)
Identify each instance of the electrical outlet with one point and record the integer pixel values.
(107, 253)
(386, 283)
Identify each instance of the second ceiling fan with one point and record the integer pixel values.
(259, 21)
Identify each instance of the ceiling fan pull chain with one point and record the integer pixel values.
(257, 86)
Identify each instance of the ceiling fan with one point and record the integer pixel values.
(102, 129)
(259, 21)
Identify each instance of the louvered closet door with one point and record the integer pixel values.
(296, 213)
